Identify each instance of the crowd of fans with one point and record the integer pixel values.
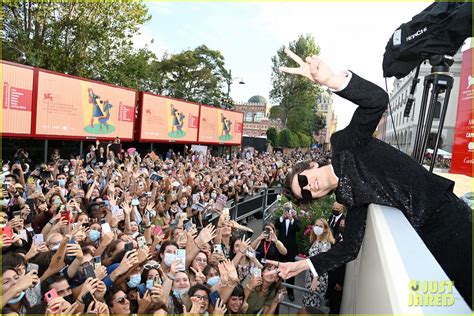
(129, 233)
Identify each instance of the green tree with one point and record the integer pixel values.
(295, 95)
(288, 139)
(319, 122)
(272, 135)
(195, 75)
(75, 37)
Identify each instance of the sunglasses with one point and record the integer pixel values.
(121, 300)
(149, 266)
(303, 182)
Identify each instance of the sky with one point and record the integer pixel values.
(351, 36)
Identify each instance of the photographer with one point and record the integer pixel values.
(288, 225)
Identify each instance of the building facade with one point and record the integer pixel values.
(256, 120)
(405, 127)
(326, 109)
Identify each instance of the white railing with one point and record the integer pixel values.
(391, 259)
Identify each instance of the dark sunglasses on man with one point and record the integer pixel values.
(303, 182)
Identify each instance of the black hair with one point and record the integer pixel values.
(13, 260)
(298, 168)
(46, 284)
(238, 291)
(199, 287)
(109, 296)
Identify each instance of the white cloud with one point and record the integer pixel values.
(147, 38)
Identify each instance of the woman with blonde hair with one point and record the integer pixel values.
(321, 239)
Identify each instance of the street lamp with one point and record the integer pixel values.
(21, 55)
(230, 81)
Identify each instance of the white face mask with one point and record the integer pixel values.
(318, 230)
(4, 169)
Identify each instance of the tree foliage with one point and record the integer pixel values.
(295, 95)
(196, 75)
(272, 135)
(79, 38)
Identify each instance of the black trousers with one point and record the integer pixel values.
(289, 258)
(448, 235)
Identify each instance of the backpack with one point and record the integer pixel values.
(440, 29)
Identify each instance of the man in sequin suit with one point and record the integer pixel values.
(365, 170)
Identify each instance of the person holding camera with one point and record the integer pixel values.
(267, 246)
(288, 225)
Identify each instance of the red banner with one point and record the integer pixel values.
(17, 99)
(463, 148)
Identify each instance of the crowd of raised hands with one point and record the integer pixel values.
(135, 234)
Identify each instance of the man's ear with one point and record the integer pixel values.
(314, 164)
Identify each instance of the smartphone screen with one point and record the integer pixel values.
(181, 255)
(106, 228)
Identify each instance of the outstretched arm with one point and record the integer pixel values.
(371, 99)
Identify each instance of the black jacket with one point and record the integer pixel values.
(288, 240)
(372, 171)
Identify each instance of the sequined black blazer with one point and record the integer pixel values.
(372, 171)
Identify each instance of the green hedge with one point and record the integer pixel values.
(288, 139)
(321, 208)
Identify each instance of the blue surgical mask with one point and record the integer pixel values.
(179, 292)
(17, 299)
(213, 281)
(135, 280)
(62, 182)
(94, 235)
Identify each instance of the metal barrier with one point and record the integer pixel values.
(263, 201)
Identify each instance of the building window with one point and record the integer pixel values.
(248, 117)
(258, 117)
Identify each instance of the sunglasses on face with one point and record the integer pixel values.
(121, 300)
(303, 182)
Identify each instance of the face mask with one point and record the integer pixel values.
(66, 169)
(169, 259)
(94, 235)
(55, 247)
(3, 225)
(57, 202)
(183, 206)
(17, 299)
(5, 202)
(134, 281)
(62, 183)
(213, 281)
(178, 292)
(69, 298)
(318, 230)
(4, 169)
(213, 195)
(335, 213)
(71, 173)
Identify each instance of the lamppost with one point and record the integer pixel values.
(21, 55)
(230, 80)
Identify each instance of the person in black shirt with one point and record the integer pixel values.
(267, 246)
(365, 170)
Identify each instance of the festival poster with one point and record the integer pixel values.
(165, 119)
(463, 149)
(72, 107)
(220, 126)
(17, 83)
